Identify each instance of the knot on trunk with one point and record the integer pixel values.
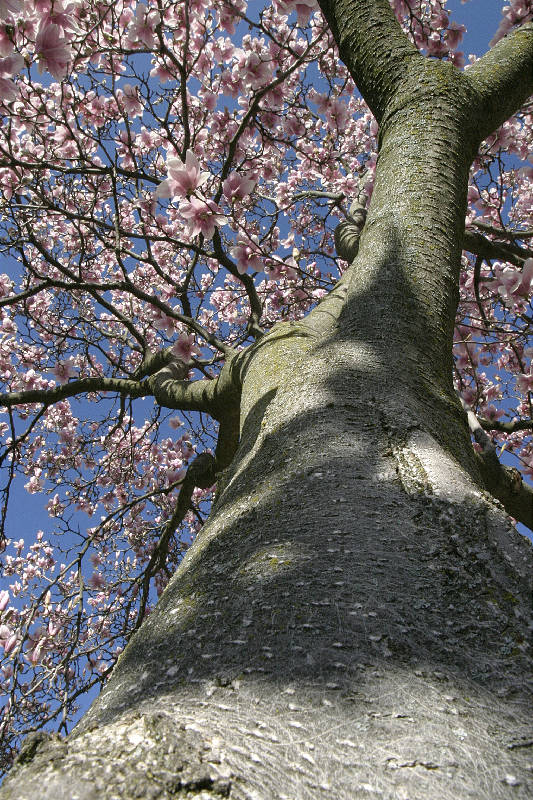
(347, 233)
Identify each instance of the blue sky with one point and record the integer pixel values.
(481, 18)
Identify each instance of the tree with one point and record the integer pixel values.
(354, 618)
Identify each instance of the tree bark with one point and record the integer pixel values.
(352, 622)
(355, 619)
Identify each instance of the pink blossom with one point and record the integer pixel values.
(302, 7)
(130, 101)
(183, 179)
(203, 215)
(62, 15)
(143, 29)
(34, 485)
(231, 14)
(454, 35)
(35, 654)
(8, 639)
(8, 67)
(175, 423)
(255, 71)
(184, 348)
(9, 7)
(246, 257)
(97, 581)
(337, 114)
(4, 599)
(162, 322)
(174, 475)
(524, 382)
(511, 281)
(8, 325)
(236, 186)
(162, 73)
(10, 643)
(493, 413)
(6, 45)
(275, 271)
(64, 370)
(53, 51)
(294, 126)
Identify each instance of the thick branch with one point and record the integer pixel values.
(506, 427)
(503, 79)
(170, 391)
(488, 249)
(372, 45)
(505, 483)
(81, 386)
(201, 473)
(219, 397)
(526, 233)
(348, 233)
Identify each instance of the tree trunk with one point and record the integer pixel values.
(354, 619)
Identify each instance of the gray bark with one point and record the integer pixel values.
(354, 621)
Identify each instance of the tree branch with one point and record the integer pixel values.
(372, 45)
(256, 309)
(505, 483)
(526, 233)
(200, 473)
(81, 386)
(502, 79)
(170, 391)
(219, 397)
(488, 249)
(506, 427)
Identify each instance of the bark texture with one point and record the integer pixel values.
(352, 622)
(355, 619)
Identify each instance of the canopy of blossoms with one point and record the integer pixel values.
(171, 173)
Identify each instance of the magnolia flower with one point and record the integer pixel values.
(53, 51)
(9, 7)
(64, 370)
(302, 7)
(511, 281)
(236, 186)
(454, 34)
(184, 348)
(203, 215)
(8, 639)
(246, 257)
(8, 67)
(174, 475)
(62, 15)
(143, 29)
(524, 382)
(183, 178)
(130, 101)
(97, 581)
